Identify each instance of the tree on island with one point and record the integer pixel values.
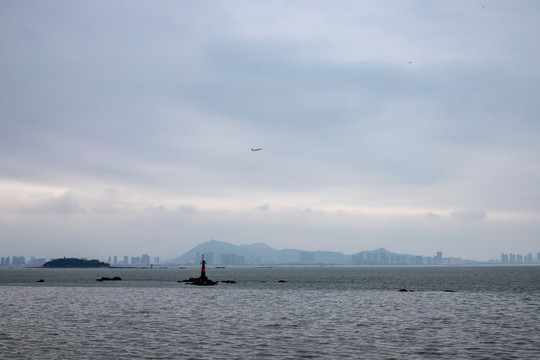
(75, 263)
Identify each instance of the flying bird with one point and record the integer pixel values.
(258, 149)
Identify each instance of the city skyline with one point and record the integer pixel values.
(364, 257)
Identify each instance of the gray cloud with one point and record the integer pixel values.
(187, 209)
(162, 103)
(469, 214)
(264, 207)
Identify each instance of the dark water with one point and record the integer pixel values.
(341, 312)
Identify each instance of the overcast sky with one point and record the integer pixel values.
(126, 127)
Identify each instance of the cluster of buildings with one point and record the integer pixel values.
(21, 261)
(143, 261)
(308, 258)
(384, 258)
(304, 257)
(226, 259)
(520, 259)
(139, 261)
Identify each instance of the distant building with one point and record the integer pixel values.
(145, 260)
(438, 258)
(18, 260)
(156, 259)
(306, 257)
(358, 259)
(504, 258)
(36, 262)
(232, 259)
(126, 261)
(135, 260)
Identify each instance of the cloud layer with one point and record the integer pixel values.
(127, 127)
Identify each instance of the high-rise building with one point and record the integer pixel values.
(115, 261)
(126, 260)
(306, 257)
(358, 259)
(504, 258)
(18, 260)
(145, 260)
(227, 259)
(438, 258)
(156, 259)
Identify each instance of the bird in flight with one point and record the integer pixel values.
(258, 149)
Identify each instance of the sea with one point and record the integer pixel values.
(477, 312)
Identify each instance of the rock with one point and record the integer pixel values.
(403, 290)
(200, 281)
(203, 282)
(228, 281)
(447, 290)
(282, 281)
(41, 280)
(104, 278)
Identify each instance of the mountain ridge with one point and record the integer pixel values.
(223, 253)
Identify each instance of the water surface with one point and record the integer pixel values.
(319, 312)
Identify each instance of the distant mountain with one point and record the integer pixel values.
(222, 253)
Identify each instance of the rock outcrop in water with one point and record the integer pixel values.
(104, 278)
(201, 280)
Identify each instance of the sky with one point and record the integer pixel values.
(126, 127)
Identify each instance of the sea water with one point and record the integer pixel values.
(314, 312)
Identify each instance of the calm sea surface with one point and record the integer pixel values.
(319, 312)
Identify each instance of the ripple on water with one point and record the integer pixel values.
(269, 320)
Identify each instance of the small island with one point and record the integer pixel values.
(75, 263)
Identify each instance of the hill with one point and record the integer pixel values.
(75, 263)
(222, 253)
